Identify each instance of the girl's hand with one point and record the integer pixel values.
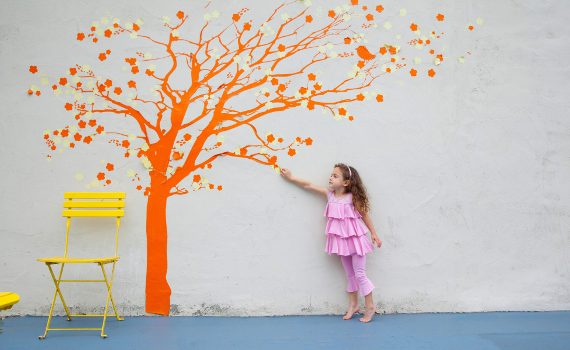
(286, 173)
(376, 241)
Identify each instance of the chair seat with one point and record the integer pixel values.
(7, 299)
(68, 260)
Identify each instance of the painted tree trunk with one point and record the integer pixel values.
(157, 288)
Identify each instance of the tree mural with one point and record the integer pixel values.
(185, 90)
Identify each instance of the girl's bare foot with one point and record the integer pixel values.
(351, 311)
(368, 314)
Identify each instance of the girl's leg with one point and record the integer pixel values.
(351, 288)
(364, 286)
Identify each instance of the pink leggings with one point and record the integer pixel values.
(355, 268)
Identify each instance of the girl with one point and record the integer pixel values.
(347, 223)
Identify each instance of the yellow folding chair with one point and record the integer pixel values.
(78, 205)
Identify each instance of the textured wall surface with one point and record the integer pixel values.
(467, 173)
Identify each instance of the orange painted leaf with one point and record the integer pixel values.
(110, 167)
(180, 14)
(309, 19)
(440, 17)
(176, 155)
(379, 8)
(270, 138)
(33, 69)
(80, 36)
(363, 53)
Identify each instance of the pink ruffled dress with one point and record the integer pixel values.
(346, 233)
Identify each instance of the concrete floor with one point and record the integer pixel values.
(478, 331)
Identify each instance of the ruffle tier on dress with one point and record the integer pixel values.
(346, 233)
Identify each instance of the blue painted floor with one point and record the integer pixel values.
(478, 331)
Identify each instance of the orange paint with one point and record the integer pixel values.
(363, 53)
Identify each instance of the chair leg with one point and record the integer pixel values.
(119, 318)
(57, 292)
(109, 284)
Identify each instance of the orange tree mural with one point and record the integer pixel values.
(208, 81)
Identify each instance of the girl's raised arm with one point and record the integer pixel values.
(286, 173)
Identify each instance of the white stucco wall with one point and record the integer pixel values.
(467, 173)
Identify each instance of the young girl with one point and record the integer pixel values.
(347, 223)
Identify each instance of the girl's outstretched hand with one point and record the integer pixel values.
(286, 173)
(376, 241)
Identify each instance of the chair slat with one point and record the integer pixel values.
(92, 213)
(94, 195)
(106, 204)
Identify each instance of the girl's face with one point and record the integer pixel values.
(336, 181)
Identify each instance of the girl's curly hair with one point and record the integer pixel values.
(356, 187)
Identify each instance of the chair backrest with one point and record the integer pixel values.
(93, 204)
